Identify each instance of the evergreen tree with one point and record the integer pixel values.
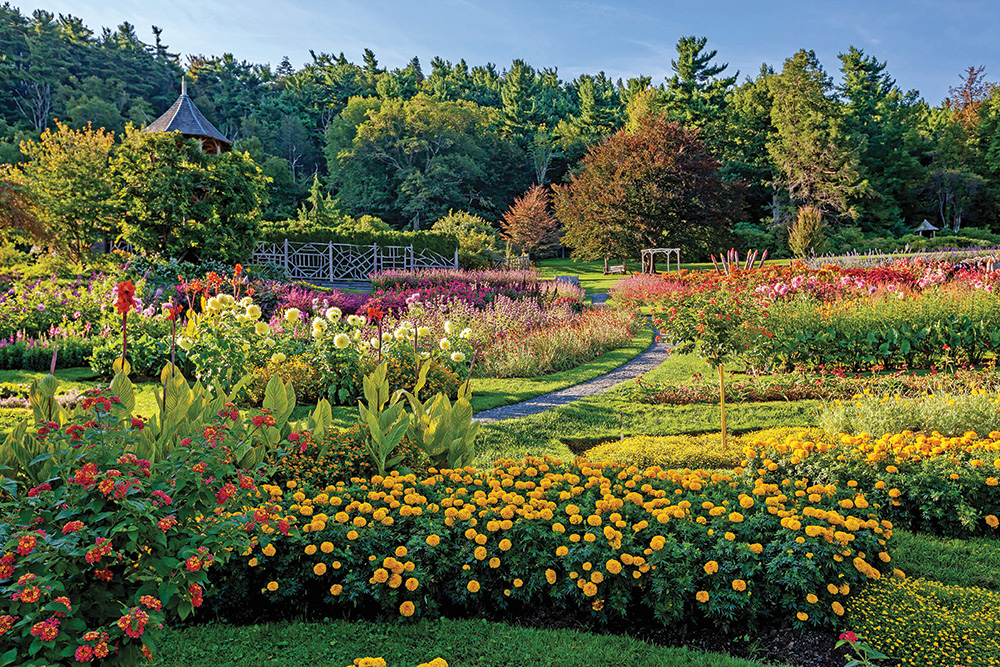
(817, 159)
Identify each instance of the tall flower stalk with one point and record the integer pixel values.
(124, 302)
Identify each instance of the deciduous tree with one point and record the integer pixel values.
(654, 187)
(529, 225)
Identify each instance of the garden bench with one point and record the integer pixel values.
(615, 268)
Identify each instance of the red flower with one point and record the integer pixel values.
(72, 527)
(375, 313)
(849, 637)
(126, 297)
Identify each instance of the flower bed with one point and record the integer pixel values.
(920, 622)
(602, 540)
(943, 486)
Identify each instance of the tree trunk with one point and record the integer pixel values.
(722, 405)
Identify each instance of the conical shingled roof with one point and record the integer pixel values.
(184, 117)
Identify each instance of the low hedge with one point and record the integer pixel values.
(276, 232)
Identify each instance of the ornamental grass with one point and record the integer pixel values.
(931, 483)
(926, 623)
(598, 541)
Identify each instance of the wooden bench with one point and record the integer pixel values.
(615, 268)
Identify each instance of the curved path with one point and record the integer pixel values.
(646, 361)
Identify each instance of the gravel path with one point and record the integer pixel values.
(652, 357)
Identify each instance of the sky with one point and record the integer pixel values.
(927, 44)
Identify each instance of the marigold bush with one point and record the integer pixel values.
(599, 539)
(930, 483)
(926, 623)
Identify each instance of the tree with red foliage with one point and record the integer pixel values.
(966, 99)
(656, 186)
(528, 224)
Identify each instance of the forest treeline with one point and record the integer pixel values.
(410, 144)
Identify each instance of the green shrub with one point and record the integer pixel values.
(928, 623)
(20, 356)
(882, 413)
(11, 417)
(338, 457)
(306, 379)
(275, 232)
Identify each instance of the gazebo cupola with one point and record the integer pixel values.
(184, 117)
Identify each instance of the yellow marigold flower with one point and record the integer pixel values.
(518, 583)
(812, 599)
(494, 562)
(992, 481)
(711, 567)
(411, 584)
(310, 549)
(433, 540)
(352, 535)
(381, 575)
(613, 566)
(269, 550)
(992, 521)
(562, 550)
(407, 608)
(702, 596)
(730, 536)
(596, 576)
(838, 608)
(400, 552)
(594, 520)
(802, 616)
(739, 585)
(505, 544)
(550, 576)
(272, 586)
(736, 517)
(369, 662)
(657, 543)
(336, 589)
(832, 588)
(590, 589)
(757, 548)
(319, 569)
(326, 547)
(479, 553)
(473, 586)
(359, 522)
(884, 557)
(341, 517)
(395, 581)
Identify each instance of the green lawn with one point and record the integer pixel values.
(494, 392)
(471, 643)
(82, 378)
(614, 414)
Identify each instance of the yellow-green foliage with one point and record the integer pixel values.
(685, 451)
(921, 622)
(11, 417)
(440, 379)
(671, 451)
(339, 457)
(305, 378)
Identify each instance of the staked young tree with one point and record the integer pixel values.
(529, 225)
(657, 186)
(817, 159)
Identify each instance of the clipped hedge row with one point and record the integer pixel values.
(293, 230)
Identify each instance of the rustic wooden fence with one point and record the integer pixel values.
(330, 262)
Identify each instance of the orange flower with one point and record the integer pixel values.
(407, 609)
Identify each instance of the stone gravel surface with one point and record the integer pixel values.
(652, 357)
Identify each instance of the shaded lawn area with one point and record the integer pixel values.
(467, 643)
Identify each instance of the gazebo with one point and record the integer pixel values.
(184, 117)
(926, 229)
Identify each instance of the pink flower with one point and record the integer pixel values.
(849, 637)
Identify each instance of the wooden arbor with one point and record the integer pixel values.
(649, 258)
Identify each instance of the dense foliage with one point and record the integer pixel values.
(874, 158)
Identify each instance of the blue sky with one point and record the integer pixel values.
(927, 43)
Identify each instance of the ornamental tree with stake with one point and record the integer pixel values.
(721, 323)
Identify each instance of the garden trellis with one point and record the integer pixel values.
(329, 262)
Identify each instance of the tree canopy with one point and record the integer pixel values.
(656, 186)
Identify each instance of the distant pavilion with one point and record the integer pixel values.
(184, 117)
(926, 229)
